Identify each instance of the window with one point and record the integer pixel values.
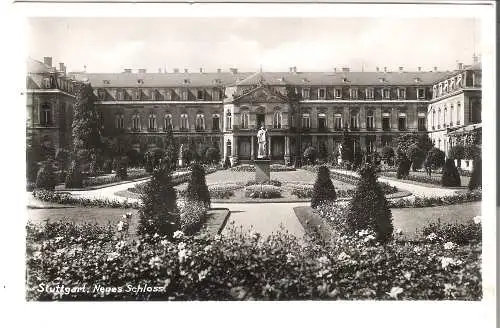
(277, 120)
(386, 93)
(370, 125)
(215, 122)
(337, 93)
(46, 115)
(445, 116)
(184, 95)
(119, 121)
(370, 93)
(138, 94)
(420, 93)
(200, 122)
(353, 93)
(167, 122)
(152, 122)
(402, 122)
(200, 95)
(245, 117)
(401, 93)
(184, 124)
(46, 83)
(459, 113)
(120, 94)
(338, 122)
(421, 122)
(154, 94)
(386, 121)
(136, 122)
(322, 121)
(321, 93)
(216, 94)
(451, 114)
(433, 119)
(354, 121)
(229, 121)
(101, 94)
(306, 121)
(305, 93)
(439, 119)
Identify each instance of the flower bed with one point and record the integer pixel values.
(132, 174)
(272, 167)
(68, 199)
(263, 191)
(275, 183)
(470, 196)
(387, 188)
(300, 190)
(193, 215)
(218, 268)
(417, 178)
(223, 191)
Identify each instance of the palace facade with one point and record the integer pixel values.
(226, 108)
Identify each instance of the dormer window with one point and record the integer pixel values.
(46, 83)
(186, 81)
(106, 82)
(101, 94)
(370, 93)
(338, 93)
(305, 93)
(217, 81)
(386, 93)
(345, 80)
(420, 93)
(382, 79)
(200, 95)
(140, 81)
(401, 93)
(353, 93)
(418, 80)
(321, 93)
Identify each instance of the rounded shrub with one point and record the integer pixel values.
(435, 158)
(197, 189)
(121, 168)
(46, 178)
(74, 176)
(212, 155)
(323, 190)
(159, 213)
(476, 177)
(310, 155)
(369, 209)
(387, 152)
(450, 177)
(404, 165)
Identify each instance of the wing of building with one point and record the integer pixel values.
(225, 108)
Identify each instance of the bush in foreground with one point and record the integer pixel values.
(323, 191)
(450, 177)
(197, 189)
(476, 179)
(369, 208)
(46, 178)
(159, 213)
(242, 266)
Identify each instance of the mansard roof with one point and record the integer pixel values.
(36, 67)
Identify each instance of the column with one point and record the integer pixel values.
(269, 153)
(314, 142)
(252, 147)
(362, 142)
(378, 142)
(234, 150)
(287, 150)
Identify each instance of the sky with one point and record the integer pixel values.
(275, 44)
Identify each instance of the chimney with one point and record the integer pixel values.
(201, 69)
(475, 59)
(420, 68)
(385, 69)
(176, 70)
(234, 70)
(401, 69)
(186, 70)
(159, 70)
(62, 68)
(335, 69)
(47, 61)
(127, 70)
(435, 68)
(142, 71)
(460, 66)
(378, 69)
(295, 69)
(345, 69)
(219, 70)
(290, 69)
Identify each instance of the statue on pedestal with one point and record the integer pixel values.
(262, 140)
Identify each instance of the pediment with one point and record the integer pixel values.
(261, 94)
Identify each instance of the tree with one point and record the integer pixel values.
(171, 151)
(74, 176)
(121, 168)
(323, 190)
(369, 209)
(158, 213)
(46, 178)
(450, 177)
(347, 151)
(197, 189)
(85, 127)
(387, 153)
(322, 151)
(435, 158)
(404, 165)
(476, 177)
(457, 152)
(212, 155)
(416, 156)
(310, 155)
(62, 158)
(425, 143)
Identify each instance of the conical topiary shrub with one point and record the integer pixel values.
(46, 178)
(158, 213)
(323, 190)
(476, 179)
(450, 177)
(197, 186)
(369, 209)
(74, 176)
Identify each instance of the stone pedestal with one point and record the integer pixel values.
(262, 170)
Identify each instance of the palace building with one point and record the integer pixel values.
(226, 108)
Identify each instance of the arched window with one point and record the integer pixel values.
(277, 120)
(119, 121)
(402, 122)
(354, 121)
(459, 112)
(306, 121)
(152, 122)
(167, 121)
(445, 117)
(46, 114)
(370, 125)
(338, 122)
(245, 117)
(229, 121)
(136, 122)
(439, 119)
(433, 118)
(451, 114)
(184, 122)
(200, 122)
(215, 122)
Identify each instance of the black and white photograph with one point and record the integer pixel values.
(237, 156)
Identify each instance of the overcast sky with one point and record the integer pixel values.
(310, 44)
